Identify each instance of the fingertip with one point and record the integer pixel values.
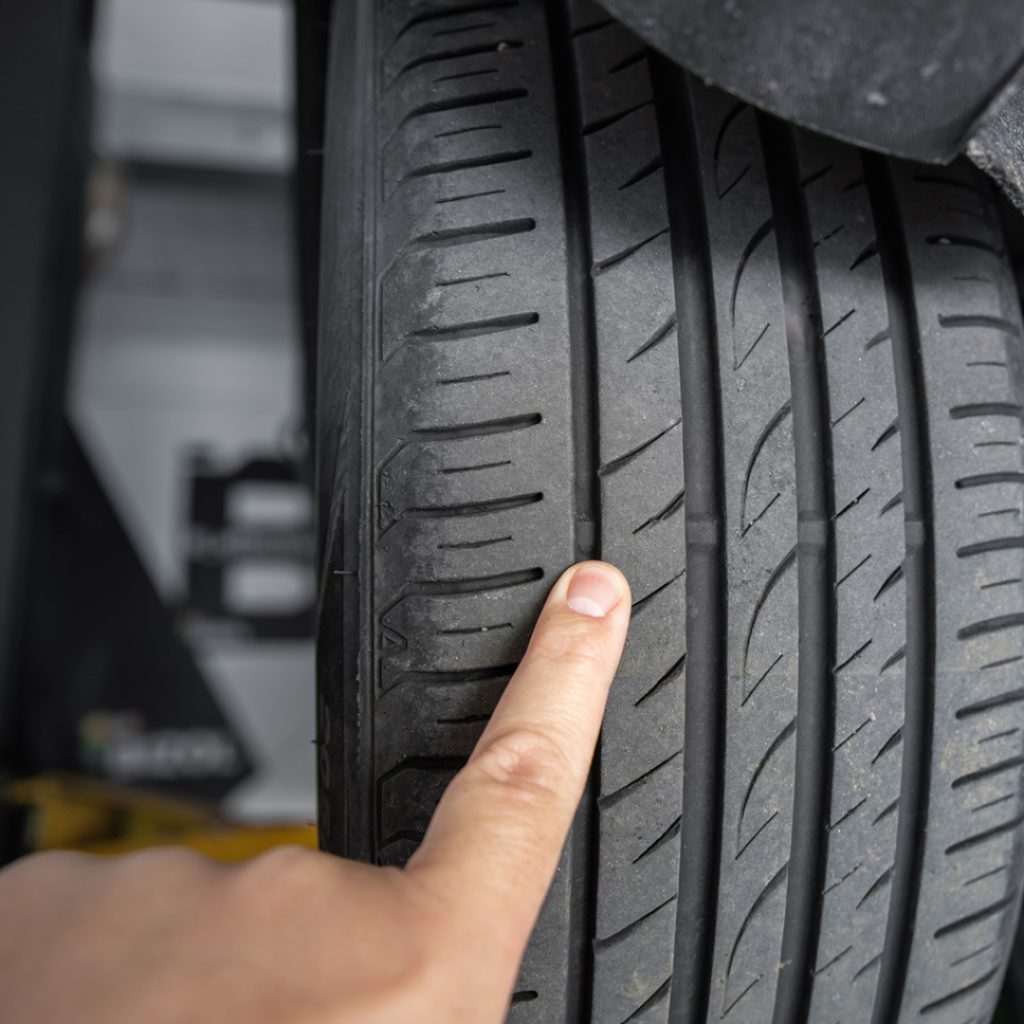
(585, 618)
(595, 589)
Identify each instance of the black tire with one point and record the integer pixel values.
(560, 277)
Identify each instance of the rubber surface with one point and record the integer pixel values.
(913, 79)
(576, 304)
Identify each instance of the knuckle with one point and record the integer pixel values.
(163, 863)
(163, 859)
(45, 865)
(284, 859)
(526, 761)
(52, 860)
(290, 866)
(572, 646)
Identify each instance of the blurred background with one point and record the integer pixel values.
(160, 673)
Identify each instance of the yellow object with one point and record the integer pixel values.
(73, 813)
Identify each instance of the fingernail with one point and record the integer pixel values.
(594, 591)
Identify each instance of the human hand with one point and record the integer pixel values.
(298, 936)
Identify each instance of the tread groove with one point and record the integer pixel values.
(952, 997)
(623, 933)
(585, 425)
(985, 547)
(606, 799)
(787, 730)
(982, 320)
(670, 833)
(919, 580)
(994, 625)
(769, 428)
(453, 677)
(652, 1000)
(991, 703)
(879, 883)
(703, 774)
(622, 460)
(450, 11)
(472, 508)
(983, 837)
(455, 54)
(988, 770)
(460, 102)
(673, 672)
(960, 412)
(467, 163)
(674, 505)
(979, 915)
(658, 336)
(815, 571)
(988, 479)
(606, 122)
(648, 169)
(465, 431)
(475, 328)
(475, 584)
(643, 602)
(474, 233)
(600, 266)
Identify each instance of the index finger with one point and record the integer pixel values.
(497, 834)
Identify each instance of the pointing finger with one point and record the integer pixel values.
(496, 837)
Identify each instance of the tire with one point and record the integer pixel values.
(576, 304)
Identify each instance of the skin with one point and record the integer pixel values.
(300, 937)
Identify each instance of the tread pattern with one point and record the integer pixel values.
(614, 312)
(968, 315)
(643, 499)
